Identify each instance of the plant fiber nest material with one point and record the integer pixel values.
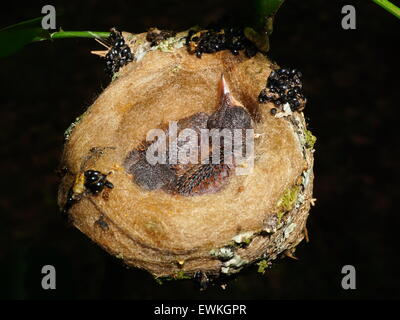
(170, 235)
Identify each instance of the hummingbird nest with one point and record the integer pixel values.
(183, 220)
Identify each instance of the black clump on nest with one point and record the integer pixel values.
(284, 86)
(218, 39)
(155, 36)
(119, 55)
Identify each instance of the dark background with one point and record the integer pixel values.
(351, 81)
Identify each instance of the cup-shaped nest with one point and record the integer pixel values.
(180, 220)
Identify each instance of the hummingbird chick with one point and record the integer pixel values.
(206, 175)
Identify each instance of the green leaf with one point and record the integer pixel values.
(264, 13)
(17, 36)
(260, 39)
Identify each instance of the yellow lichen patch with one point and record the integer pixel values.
(182, 275)
(310, 139)
(79, 184)
(262, 266)
(287, 201)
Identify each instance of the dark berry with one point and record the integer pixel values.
(119, 54)
(218, 39)
(284, 85)
(120, 43)
(95, 181)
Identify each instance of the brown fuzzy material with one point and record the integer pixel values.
(166, 233)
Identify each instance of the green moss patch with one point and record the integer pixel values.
(262, 266)
(287, 201)
(310, 139)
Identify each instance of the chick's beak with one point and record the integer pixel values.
(226, 95)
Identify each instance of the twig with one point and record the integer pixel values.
(388, 6)
(79, 34)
